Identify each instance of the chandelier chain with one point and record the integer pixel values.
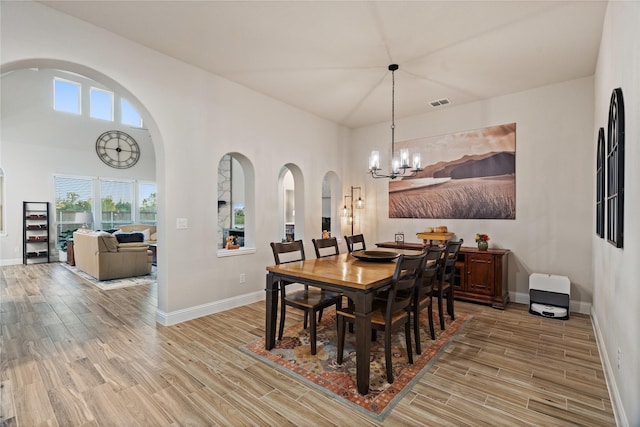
(393, 112)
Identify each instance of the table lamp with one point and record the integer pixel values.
(84, 218)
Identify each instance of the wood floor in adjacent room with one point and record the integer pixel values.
(73, 355)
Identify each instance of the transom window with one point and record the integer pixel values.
(101, 106)
(66, 96)
(129, 114)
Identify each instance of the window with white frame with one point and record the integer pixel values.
(74, 196)
(66, 96)
(101, 104)
(147, 203)
(111, 203)
(116, 201)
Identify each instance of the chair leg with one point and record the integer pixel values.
(430, 313)
(341, 331)
(407, 334)
(319, 315)
(282, 312)
(441, 311)
(313, 332)
(450, 304)
(306, 320)
(416, 328)
(387, 354)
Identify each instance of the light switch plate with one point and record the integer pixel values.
(182, 223)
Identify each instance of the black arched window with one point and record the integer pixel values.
(615, 170)
(600, 170)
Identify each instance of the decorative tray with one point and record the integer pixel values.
(435, 236)
(375, 256)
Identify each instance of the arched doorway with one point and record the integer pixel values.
(64, 159)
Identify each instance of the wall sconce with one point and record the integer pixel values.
(347, 210)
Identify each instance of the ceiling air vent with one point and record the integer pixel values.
(439, 102)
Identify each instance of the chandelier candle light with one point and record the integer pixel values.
(399, 166)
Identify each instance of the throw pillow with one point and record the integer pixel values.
(146, 233)
(109, 242)
(129, 237)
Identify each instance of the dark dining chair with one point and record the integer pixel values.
(310, 300)
(443, 287)
(424, 293)
(326, 247)
(391, 314)
(355, 242)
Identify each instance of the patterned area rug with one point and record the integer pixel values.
(293, 356)
(106, 285)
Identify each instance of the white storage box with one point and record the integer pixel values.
(549, 295)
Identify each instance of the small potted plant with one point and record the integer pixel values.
(483, 241)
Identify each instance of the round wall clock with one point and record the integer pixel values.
(117, 149)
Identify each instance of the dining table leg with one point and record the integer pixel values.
(363, 305)
(271, 299)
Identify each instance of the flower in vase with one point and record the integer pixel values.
(482, 237)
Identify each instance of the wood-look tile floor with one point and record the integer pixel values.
(73, 355)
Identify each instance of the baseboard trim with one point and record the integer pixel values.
(183, 315)
(574, 306)
(610, 379)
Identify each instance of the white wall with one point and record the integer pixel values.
(554, 183)
(194, 118)
(616, 271)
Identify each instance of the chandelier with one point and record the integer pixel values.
(399, 165)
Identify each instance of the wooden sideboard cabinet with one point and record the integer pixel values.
(481, 276)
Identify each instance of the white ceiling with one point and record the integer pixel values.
(330, 58)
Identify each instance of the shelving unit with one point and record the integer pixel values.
(35, 235)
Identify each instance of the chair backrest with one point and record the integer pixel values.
(288, 252)
(407, 275)
(355, 242)
(433, 259)
(329, 244)
(449, 259)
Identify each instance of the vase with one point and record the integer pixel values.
(483, 245)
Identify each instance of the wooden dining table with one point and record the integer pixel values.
(356, 279)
